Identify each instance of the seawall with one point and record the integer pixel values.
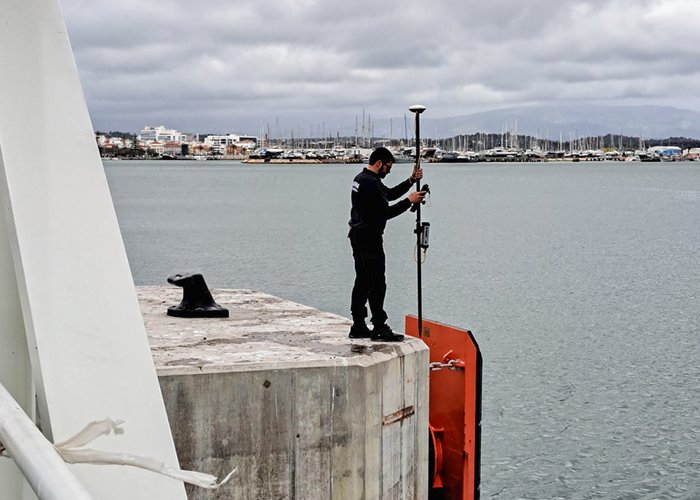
(278, 391)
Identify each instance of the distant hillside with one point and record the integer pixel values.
(549, 121)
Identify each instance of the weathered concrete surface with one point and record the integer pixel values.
(280, 392)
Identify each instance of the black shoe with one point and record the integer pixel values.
(360, 331)
(385, 334)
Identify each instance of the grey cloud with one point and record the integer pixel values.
(221, 61)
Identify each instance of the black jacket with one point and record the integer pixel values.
(370, 203)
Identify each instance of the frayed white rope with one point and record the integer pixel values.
(72, 452)
(92, 431)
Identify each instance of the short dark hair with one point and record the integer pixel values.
(382, 154)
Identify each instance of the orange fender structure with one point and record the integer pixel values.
(455, 409)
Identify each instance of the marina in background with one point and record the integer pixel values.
(168, 144)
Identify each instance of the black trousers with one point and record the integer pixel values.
(370, 283)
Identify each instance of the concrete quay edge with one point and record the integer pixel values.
(262, 332)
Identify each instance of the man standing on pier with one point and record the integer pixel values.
(368, 216)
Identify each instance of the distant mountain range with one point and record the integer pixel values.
(553, 121)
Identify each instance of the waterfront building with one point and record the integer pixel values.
(107, 142)
(692, 153)
(157, 147)
(172, 148)
(223, 144)
(161, 134)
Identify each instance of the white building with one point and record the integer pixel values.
(161, 134)
(219, 143)
(108, 142)
(157, 147)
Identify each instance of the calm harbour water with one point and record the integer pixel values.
(581, 283)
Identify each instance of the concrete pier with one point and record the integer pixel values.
(278, 391)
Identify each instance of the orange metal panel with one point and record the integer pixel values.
(455, 408)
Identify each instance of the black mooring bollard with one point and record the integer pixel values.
(197, 301)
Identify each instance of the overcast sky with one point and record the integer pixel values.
(236, 66)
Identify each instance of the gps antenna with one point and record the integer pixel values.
(417, 109)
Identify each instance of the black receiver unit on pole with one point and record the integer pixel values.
(417, 109)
